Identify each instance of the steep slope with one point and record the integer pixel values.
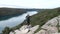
(50, 27)
(42, 17)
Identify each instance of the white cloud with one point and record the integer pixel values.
(30, 3)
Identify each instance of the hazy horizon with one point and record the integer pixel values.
(39, 4)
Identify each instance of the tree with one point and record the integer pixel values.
(6, 30)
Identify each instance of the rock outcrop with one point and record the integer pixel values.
(49, 28)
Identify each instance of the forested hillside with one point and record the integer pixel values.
(6, 13)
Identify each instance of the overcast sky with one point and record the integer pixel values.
(30, 3)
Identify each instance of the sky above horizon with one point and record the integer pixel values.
(30, 3)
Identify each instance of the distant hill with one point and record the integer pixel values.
(11, 11)
(6, 13)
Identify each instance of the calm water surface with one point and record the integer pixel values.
(15, 20)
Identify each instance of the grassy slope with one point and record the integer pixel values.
(42, 17)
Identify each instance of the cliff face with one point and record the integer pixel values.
(50, 27)
(25, 29)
